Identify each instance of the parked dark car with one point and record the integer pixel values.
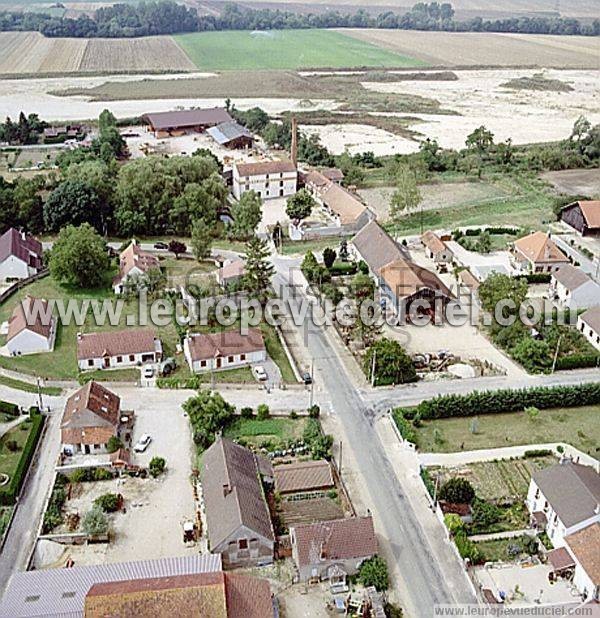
(307, 378)
(161, 245)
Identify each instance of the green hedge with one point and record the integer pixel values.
(578, 361)
(11, 409)
(343, 268)
(537, 277)
(510, 400)
(8, 494)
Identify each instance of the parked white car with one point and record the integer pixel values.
(142, 443)
(259, 373)
(148, 371)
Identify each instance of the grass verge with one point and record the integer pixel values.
(28, 387)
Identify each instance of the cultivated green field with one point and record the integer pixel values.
(286, 49)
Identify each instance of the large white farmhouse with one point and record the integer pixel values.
(31, 328)
(574, 289)
(20, 255)
(268, 178)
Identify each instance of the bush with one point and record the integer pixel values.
(318, 443)
(9, 493)
(12, 445)
(340, 269)
(458, 491)
(406, 429)
(113, 444)
(262, 412)
(109, 503)
(102, 474)
(428, 481)
(466, 548)
(374, 572)
(540, 452)
(79, 475)
(95, 522)
(157, 466)
(293, 415)
(246, 413)
(12, 409)
(538, 277)
(510, 400)
(314, 411)
(578, 361)
(485, 514)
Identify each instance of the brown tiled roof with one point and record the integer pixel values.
(23, 246)
(233, 493)
(591, 212)
(303, 476)
(22, 318)
(214, 595)
(376, 247)
(405, 278)
(570, 276)
(187, 118)
(468, 279)
(585, 546)
(433, 242)
(592, 318)
(572, 490)
(227, 343)
(133, 256)
(91, 415)
(539, 247)
(340, 539)
(560, 559)
(235, 268)
(333, 173)
(121, 455)
(348, 207)
(116, 343)
(317, 179)
(265, 167)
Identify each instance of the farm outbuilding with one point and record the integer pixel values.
(231, 135)
(171, 124)
(583, 216)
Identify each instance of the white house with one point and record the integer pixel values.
(31, 328)
(589, 325)
(537, 253)
(584, 547)
(20, 255)
(574, 289)
(268, 178)
(115, 349)
(564, 499)
(436, 249)
(215, 351)
(133, 262)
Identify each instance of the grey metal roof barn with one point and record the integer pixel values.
(186, 118)
(61, 592)
(227, 132)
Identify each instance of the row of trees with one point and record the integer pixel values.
(25, 131)
(149, 18)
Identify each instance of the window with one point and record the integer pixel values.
(119, 359)
(230, 359)
(33, 597)
(132, 357)
(91, 362)
(537, 493)
(68, 595)
(242, 357)
(243, 544)
(202, 363)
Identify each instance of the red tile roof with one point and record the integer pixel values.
(340, 539)
(214, 595)
(187, 118)
(91, 415)
(23, 246)
(135, 257)
(303, 476)
(116, 343)
(585, 546)
(539, 247)
(23, 315)
(227, 343)
(265, 167)
(433, 242)
(591, 212)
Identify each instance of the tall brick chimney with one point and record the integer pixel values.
(294, 148)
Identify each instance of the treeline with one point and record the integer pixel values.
(166, 17)
(26, 130)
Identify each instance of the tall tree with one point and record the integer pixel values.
(498, 287)
(72, 202)
(300, 205)
(246, 214)
(79, 257)
(259, 270)
(406, 196)
(201, 240)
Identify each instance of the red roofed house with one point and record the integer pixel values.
(210, 595)
(231, 272)
(537, 253)
(267, 178)
(31, 327)
(92, 416)
(331, 550)
(20, 255)
(113, 349)
(583, 216)
(205, 352)
(133, 261)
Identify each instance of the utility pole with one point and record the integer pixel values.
(312, 383)
(39, 392)
(556, 353)
(340, 463)
(373, 368)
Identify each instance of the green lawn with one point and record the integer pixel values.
(274, 430)
(285, 49)
(528, 205)
(303, 246)
(579, 427)
(498, 550)
(28, 387)
(8, 458)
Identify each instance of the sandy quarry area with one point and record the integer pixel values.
(478, 98)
